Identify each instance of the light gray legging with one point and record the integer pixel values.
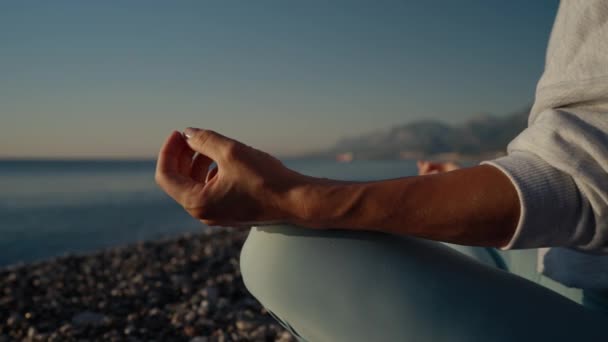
(339, 285)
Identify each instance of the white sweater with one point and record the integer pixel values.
(559, 164)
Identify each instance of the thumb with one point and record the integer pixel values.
(207, 142)
(423, 167)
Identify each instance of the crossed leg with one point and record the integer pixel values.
(338, 285)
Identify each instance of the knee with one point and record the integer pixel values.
(278, 260)
(323, 282)
(250, 260)
(260, 259)
(282, 266)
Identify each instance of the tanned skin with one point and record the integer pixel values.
(469, 206)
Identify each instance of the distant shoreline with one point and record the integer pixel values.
(446, 156)
(76, 160)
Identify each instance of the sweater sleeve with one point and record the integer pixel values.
(559, 168)
(559, 164)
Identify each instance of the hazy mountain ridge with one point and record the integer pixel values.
(481, 135)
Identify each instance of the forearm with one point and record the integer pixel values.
(473, 206)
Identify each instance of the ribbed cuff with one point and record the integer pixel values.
(548, 198)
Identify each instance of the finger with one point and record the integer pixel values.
(200, 168)
(423, 167)
(209, 143)
(440, 167)
(168, 175)
(176, 153)
(167, 163)
(451, 166)
(211, 174)
(185, 159)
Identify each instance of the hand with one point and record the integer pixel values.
(247, 186)
(426, 167)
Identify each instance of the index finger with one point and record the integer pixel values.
(168, 175)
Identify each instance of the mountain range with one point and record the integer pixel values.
(479, 136)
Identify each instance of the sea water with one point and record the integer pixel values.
(50, 208)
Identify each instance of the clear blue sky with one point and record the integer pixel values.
(113, 78)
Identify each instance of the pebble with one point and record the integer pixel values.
(129, 330)
(185, 289)
(244, 326)
(89, 318)
(64, 329)
(200, 339)
(211, 293)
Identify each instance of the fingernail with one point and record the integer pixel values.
(189, 132)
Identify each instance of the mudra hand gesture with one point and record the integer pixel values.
(246, 186)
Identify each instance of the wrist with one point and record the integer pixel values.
(312, 202)
(298, 203)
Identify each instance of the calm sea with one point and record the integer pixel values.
(50, 208)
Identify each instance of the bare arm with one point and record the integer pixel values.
(473, 206)
(476, 206)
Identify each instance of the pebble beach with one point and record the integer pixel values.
(187, 288)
